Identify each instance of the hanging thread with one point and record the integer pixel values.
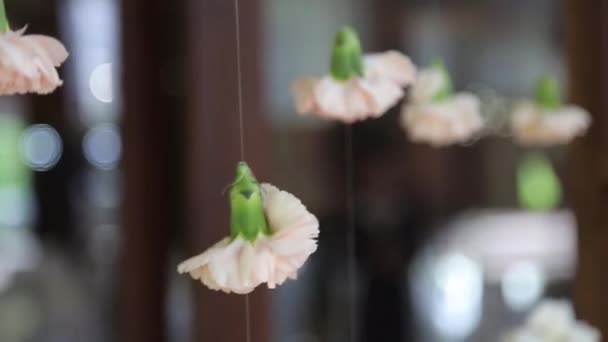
(239, 74)
(247, 319)
(239, 78)
(351, 233)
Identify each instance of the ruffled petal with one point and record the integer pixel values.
(390, 66)
(53, 48)
(27, 63)
(552, 319)
(532, 125)
(386, 74)
(303, 91)
(294, 232)
(448, 122)
(428, 83)
(348, 101)
(385, 94)
(239, 266)
(202, 259)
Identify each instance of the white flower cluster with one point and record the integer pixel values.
(553, 321)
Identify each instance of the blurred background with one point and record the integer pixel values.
(108, 183)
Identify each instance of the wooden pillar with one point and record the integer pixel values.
(151, 167)
(213, 149)
(587, 43)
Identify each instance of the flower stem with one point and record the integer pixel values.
(247, 217)
(347, 55)
(4, 26)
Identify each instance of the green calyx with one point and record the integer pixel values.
(547, 93)
(538, 187)
(247, 217)
(347, 55)
(4, 26)
(446, 89)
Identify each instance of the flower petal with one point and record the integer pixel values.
(303, 92)
(429, 82)
(27, 63)
(239, 266)
(386, 74)
(390, 66)
(534, 126)
(448, 122)
(52, 47)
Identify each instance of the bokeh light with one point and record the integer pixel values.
(17, 206)
(100, 83)
(459, 282)
(42, 147)
(102, 146)
(447, 289)
(522, 285)
(19, 251)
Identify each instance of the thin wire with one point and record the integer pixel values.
(237, 24)
(239, 75)
(247, 320)
(351, 233)
(604, 38)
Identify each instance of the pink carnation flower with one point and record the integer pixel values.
(452, 119)
(534, 125)
(28, 62)
(449, 122)
(359, 98)
(239, 266)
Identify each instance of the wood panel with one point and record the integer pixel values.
(587, 44)
(151, 167)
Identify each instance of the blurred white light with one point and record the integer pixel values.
(42, 147)
(102, 146)
(102, 191)
(17, 206)
(459, 288)
(19, 251)
(522, 285)
(100, 83)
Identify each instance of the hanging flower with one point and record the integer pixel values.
(28, 62)
(358, 87)
(545, 121)
(437, 116)
(272, 236)
(554, 320)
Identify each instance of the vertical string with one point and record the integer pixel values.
(239, 80)
(239, 74)
(604, 38)
(351, 233)
(247, 320)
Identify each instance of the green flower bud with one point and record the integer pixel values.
(247, 217)
(447, 89)
(4, 26)
(548, 93)
(537, 184)
(347, 56)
